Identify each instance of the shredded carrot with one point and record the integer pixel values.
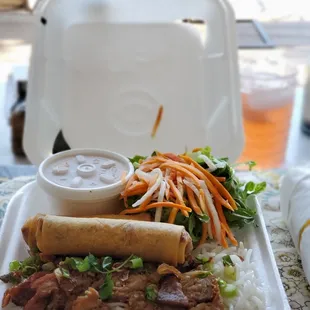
(168, 205)
(174, 157)
(172, 215)
(137, 184)
(224, 224)
(130, 181)
(157, 121)
(197, 149)
(140, 208)
(176, 193)
(184, 171)
(192, 201)
(179, 194)
(202, 202)
(149, 167)
(204, 208)
(153, 160)
(136, 189)
(213, 230)
(156, 205)
(231, 236)
(220, 213)
(207, 177)
(223, 240)
(133, 211)
(173, 175)
(204, 233)
(178, 197)
(223, 191)
(146, 202)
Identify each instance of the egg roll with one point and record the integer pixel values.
(153, 241)
(29, 228)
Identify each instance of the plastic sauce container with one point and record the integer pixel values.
(85, 181)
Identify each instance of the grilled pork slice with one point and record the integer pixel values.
(49, 291)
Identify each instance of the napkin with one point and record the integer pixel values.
(295, 207)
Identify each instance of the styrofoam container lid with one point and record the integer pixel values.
(102, 69)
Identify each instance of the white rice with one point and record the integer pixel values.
(251, 294)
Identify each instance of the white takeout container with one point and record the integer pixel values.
(89, 195)
(101, 69)
(31, 199)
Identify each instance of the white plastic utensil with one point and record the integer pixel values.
(295, 207)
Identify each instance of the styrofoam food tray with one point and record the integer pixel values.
(31, 200)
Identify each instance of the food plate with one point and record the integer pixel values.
(31, 200)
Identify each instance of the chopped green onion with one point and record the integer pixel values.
(221, 283)
(202, 259)
(29, 270)
(15, 265)
(50, 266)
(151, 292)
(230, 273)
(227, 261)
(229, 291)
(136, 263)
(107, 262)
(204, 274)
(208, 266)
(65, 273)
(83, 265)
(77, 263)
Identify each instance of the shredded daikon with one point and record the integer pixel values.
(179, 183)
(150, 191)
(161, 194)
(212, 210)
(190, 184)
(146, 177)
(208, 161)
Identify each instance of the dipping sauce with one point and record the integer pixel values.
(85, 171)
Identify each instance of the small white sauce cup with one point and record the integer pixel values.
(80, 198)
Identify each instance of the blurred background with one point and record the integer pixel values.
(273, 39)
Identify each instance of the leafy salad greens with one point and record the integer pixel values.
(222, 169)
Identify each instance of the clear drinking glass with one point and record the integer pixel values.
(268, 92)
